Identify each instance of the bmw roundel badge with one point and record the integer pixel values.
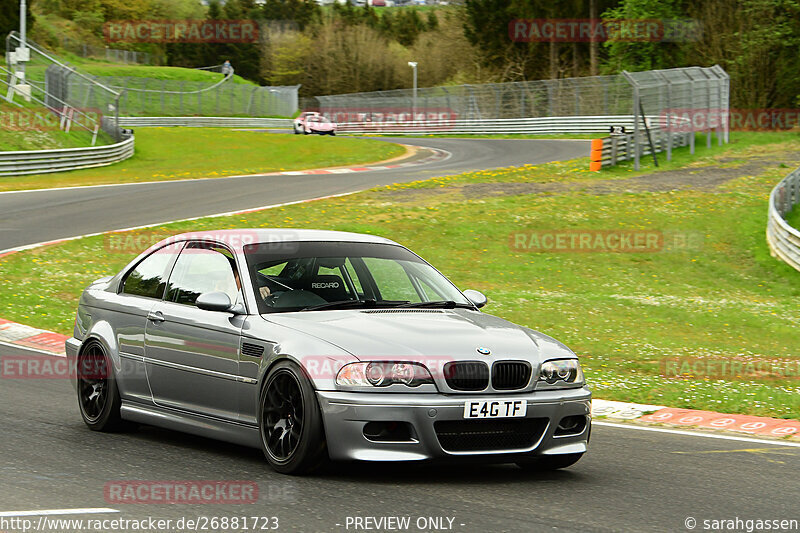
(484, 351)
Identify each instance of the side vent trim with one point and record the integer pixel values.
(252, 350)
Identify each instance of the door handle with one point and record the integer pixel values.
(158, 316)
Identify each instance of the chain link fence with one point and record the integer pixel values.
(46, 80)
(653, 104)
(685, 100)
(598, 95)
(160, 97)
(115, 55)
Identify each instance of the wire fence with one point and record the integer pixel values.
(161, 97)
(41, 77)
(597, 95)
(140, 96)
(115, 55)
(671, 100)
(691, 99)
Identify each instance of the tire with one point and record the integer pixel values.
(288, 400)
(547, 463)
(333, 134)
(98, 396)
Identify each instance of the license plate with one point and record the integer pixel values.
(495, 409)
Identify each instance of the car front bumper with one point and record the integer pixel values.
(345, 415)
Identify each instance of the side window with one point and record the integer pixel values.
(148, 277)
(201, 268)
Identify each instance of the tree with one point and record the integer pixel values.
(644, 55)
(756, 42)
(9, 17)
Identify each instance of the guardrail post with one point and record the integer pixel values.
(614, 148)
(628, 146)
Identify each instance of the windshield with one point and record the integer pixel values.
(296, 276)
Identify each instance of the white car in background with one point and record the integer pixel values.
(300, 122)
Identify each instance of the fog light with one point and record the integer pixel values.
(389, 432)
(571, 425)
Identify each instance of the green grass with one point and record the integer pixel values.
(14, 136)
(168, 74)
(164, 154)
(624, 314)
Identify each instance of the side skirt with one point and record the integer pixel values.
(203, 426)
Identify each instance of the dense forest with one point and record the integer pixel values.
(344, 48)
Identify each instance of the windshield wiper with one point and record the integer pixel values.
(343, 304)
(443, 304)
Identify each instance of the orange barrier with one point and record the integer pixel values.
(596, 155)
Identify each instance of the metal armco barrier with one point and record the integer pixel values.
(784, 240)
(46, 161)
(207, 122)
(540, 125)
(609, 151)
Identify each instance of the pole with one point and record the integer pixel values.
(415, 91)
(413, 65)
(23, 10)
(647, 129)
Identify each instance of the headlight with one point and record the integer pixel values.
(566, 370)
(383, 374)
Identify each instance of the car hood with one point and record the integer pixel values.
(423, 333)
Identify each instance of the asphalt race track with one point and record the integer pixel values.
(631, 479)
(37, 216)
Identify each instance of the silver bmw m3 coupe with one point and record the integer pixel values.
(316, 345)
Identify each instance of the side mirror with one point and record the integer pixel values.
(476, 297)
(214, 301)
